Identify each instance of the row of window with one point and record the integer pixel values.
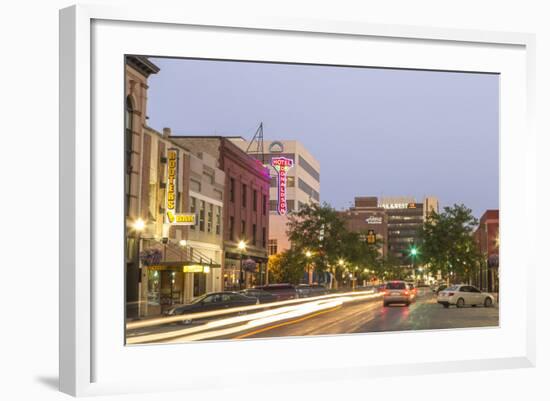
(244, 234)
(208, 217)
(290, 182)
(244, 196)
(309, 168)
(308, 190)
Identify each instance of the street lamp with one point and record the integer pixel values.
(413, 252)
(309, 271)
(139, 226)
(242, 248)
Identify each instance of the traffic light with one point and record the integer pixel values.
(371, 237)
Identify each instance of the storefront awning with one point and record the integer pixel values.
(185, 267)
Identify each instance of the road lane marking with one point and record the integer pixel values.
(286, 323)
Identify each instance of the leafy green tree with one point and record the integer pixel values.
(320, 230)
(287, 267)
(448, 244)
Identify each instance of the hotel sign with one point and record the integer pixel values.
(171, 217)
(281, 166)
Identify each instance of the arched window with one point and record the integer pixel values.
(128, 126)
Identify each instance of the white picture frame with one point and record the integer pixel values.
(94, 361)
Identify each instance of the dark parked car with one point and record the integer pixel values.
(213, 301)
(313, 290)
(281, 291)
(263, 296)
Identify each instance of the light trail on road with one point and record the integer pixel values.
(237, 324)
(216, 313)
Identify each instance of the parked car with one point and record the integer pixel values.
(213, 301)
(263, 296)
(281, 291)
(313, 290)
(462, 295)
(439, 288)
(366, 288)
(397, 292)
(380, 287)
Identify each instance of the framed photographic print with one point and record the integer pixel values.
(339, 194)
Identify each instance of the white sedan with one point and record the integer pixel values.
(462, 294)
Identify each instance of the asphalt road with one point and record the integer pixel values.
(372, 316)
(362, 316)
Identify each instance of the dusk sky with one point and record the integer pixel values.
(375, 132)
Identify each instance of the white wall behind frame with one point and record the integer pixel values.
(133, 363)
(31, 32)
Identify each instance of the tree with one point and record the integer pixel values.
(287, 267)
(321, 231)
(448, 245)
(318, 229)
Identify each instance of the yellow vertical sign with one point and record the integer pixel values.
(171, 185)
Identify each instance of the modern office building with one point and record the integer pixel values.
(295, 180)
(245, 208)
(405, 220)
(488, 240)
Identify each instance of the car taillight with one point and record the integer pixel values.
(386, 292)
(406, 292)
(450, 294)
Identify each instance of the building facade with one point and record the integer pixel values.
(405, 220)
(137, 71)
(367, 217)
(245, 209)
(181, 207)
(488, 241)
(302, 184)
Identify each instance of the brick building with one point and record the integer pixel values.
(367, 216)
(487, 238)
(245, 208)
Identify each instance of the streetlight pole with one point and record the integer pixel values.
(309, 271)
(139, 226)
(242, 248)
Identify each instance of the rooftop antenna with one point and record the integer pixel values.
(257, 142)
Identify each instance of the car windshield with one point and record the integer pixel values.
(199, 299)
(453, 288)
(395, 286)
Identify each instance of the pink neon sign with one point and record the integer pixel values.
(281, 165)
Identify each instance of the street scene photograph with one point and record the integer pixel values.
(276, 200)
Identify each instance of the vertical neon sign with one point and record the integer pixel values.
(281, 165)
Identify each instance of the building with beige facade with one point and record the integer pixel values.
(174, 211)
(137, 71)
(303, 185)
(189, 254)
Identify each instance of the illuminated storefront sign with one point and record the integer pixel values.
(196, 269)
(281, 165)
(171, 182)
(171, 217)
(393, 205)
(374, 220)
